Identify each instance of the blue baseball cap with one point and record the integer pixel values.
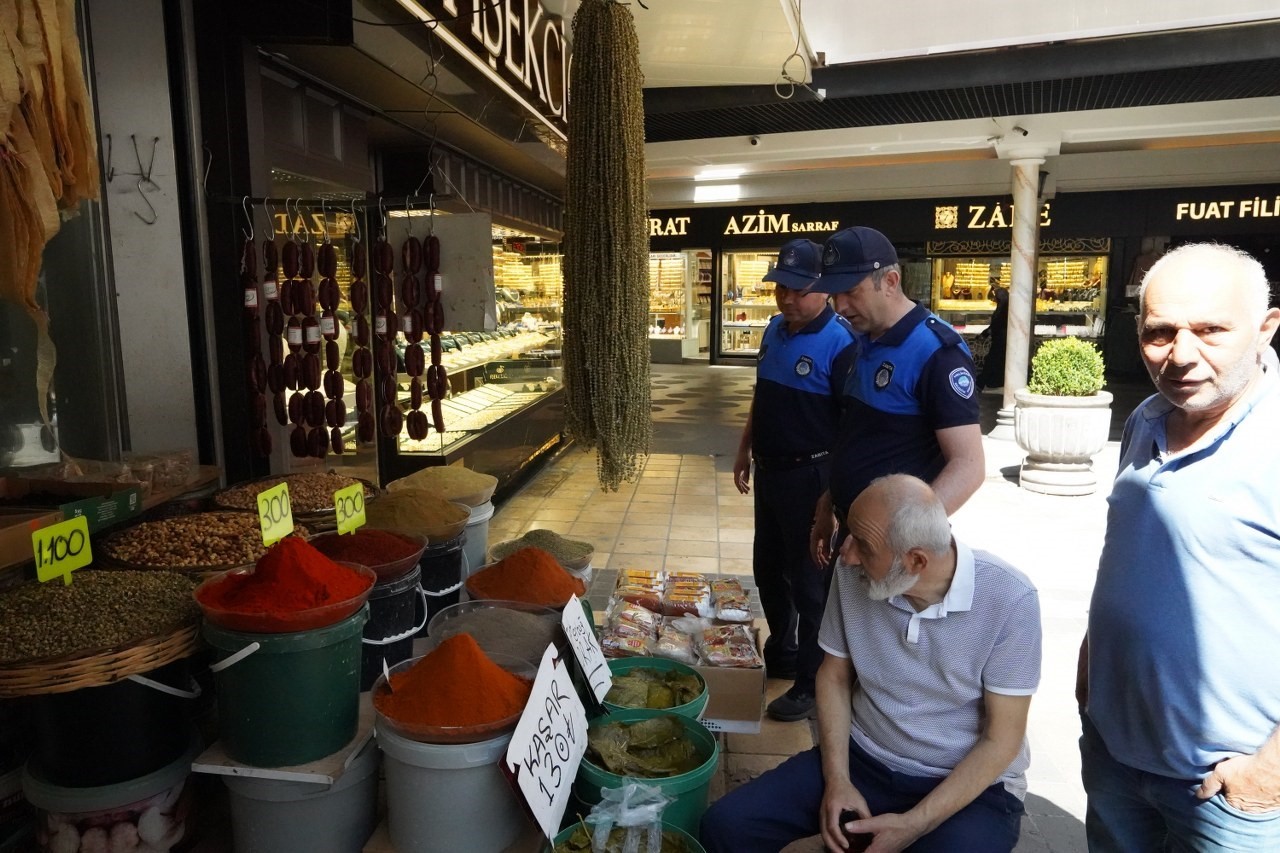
(850, 255)
(799, 264)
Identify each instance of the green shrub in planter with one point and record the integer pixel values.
(1066, 367)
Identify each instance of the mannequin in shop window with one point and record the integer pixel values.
(997, 333)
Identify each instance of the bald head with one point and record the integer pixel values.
(908, 511)
(1223, 270)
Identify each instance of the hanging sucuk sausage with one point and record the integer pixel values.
(383, 290)
(281, 410)
(364, 395)
(318, 443)
(329, 326)
(311, 371)
(306, 260)
(332, 384)
(275, 348)
(361, 364)
(411, 254)
(410, 292)
(291, 371)
(335, 413)
(259, 404)
(413, 326)
(365, 427)
(437, 415)
(335, 439)
(293, 334)
(414, 360)
(437, 351)
(249, 259)
(327, 260)
(257, 375)
(270, 259)
(329, 294)
(415, 393)
(250, 298)
(384, 257)
(311, 335)
(384, 354)
(332, 355)
(308, 297)
(262, 441)
(389, 389)
(437, 309)
(359, 259)
(416, 425)
(289, 259)
(297, 407)
(314, 409)
(298, 441)
(432, 252)
(359, 293)
(392, 420)
(362, 331)
(275, 319)
(275, 378)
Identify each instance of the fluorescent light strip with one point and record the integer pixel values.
(728, 173)
(454, 42)
(717, 192)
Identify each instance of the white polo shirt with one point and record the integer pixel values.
(917, 703)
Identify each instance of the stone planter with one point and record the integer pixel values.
(1060, 436)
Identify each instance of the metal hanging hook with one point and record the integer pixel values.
(248, 214)
(408, 215)
(382, 216)
(324, 222)
(271, 217)
(355, 223)
(154, 216)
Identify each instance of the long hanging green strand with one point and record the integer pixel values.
(606, 246)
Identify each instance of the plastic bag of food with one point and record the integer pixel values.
(728, 645)
(731, 601)
(640, 587)
(675, 644)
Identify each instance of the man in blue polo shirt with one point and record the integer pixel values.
(805, 353)
(1179, 684)
(933, 653)
(911, 403)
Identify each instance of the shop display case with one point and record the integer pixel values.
(1070, 293)
(530, 287)
(747, 302)
(679, 304)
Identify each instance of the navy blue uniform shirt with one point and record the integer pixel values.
(799, 379)
(915, 379)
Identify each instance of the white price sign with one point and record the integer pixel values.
(582, 637)
(548, 743)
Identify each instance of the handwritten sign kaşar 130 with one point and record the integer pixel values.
(548, 743)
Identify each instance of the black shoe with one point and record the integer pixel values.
(793, 706)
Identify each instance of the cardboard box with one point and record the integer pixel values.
(15, 532)
(735, 702)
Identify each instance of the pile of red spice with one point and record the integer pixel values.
(368, 547)
(455, 685)
(531, 575)
(290, 577)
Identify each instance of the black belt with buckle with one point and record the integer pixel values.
(785, 463)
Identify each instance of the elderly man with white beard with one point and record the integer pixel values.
(932, 655)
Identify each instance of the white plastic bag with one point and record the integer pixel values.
(636, 807)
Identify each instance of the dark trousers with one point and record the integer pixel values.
(782, 806)
(793, 591)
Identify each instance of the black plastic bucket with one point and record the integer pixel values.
(106, 735)
(441, 576)
(389, 633)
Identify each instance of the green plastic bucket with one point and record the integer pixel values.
(691, 844)
(692, 709)
(287, 699)
(689, 791)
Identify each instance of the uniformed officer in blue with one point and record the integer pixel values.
(804, 355)
(910, 403)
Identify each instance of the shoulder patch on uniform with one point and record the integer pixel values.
(962, 382)
(884, 374)
(948, 336)
(804, 366)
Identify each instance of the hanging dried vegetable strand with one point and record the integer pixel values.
(606, 288)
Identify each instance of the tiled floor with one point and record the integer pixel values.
(684, 512)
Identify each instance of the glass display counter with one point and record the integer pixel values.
(747, 302)
(1070, 293)
(529, 288)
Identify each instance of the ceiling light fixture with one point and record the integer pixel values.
(722, 173)
(717, 192)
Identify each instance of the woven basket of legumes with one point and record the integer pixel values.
(200, 543)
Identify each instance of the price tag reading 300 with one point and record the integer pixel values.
(275, 514)
(61, 548)
(348, 504)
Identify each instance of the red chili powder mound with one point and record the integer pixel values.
(455, 685)
(291, 576)
(531, 575)
(367, 546)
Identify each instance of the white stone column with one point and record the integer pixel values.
(1022, 290)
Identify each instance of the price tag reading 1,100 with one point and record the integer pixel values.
(61, 548)
(275, 514)
(348, 504)
(582, 637)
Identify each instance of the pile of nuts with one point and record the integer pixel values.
(98, 610)
(307, 492)
(201, 540)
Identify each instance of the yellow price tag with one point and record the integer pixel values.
(275, 514)
(61, 548)
(348, 504)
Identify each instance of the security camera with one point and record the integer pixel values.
(754, 140)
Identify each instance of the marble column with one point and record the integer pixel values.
(1022, 290)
